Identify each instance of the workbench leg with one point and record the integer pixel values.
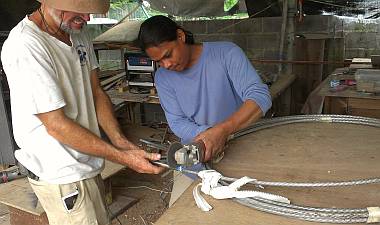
(18, 217)
(131, 113)
(327, 105)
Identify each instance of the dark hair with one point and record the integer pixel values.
(158, 29)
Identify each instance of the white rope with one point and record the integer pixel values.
(210, 185)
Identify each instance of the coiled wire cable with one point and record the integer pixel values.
(304, 185)
(314, 214)
(279, 121)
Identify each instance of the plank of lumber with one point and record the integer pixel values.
(108, 73)
(18, 194)
(113, 78)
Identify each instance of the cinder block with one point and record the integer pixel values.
(263, 41)
(221, 26)
(373, 52)
(337, 24)
(254, 53)
(271, 54)
(249, 26)
(272, 24)
(355, 26)
(201, 37)
(314, 24)
(355, 53)
(377, 37)
(196, 27)
(245, 26)
(208, 37)
(241, 41)
(360, 40)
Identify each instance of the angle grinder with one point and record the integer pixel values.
(185, 155)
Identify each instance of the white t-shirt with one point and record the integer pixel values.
(44, 74)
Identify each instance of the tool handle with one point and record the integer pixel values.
(201, 149)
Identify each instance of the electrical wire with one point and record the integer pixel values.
(243, 20)
(146, 187)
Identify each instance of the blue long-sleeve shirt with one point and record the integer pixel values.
(210, 91)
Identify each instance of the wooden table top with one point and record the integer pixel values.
(313, 152)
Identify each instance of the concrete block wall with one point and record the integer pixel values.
(362, 38)
(260, 37)
(324, 25)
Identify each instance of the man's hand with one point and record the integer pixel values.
(214, 139)
(123, 144)
(66, 131)
(139, 161)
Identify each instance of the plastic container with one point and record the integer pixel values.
(367, 80)
(334, 81)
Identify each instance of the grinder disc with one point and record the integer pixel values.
(172, 163)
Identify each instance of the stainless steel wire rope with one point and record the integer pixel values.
(315, 214)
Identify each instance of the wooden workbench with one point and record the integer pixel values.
(349, 92)
(279, 88)
(349, 101)
(275, 90)
(314, 152)
(117, 97)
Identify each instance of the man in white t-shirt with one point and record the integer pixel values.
(57, 105)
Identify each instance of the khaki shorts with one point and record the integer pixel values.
(89, 207)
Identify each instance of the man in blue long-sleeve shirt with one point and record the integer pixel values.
(208, 90)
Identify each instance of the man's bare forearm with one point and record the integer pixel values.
(248, 113)
(77, 137)
(69, 133)
(106, 116)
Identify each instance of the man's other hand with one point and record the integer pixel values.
(214, 139)
(139, 161)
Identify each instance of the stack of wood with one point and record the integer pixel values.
(110, 78)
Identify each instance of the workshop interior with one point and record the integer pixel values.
(311, 159)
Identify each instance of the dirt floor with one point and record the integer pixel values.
(151, 191)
